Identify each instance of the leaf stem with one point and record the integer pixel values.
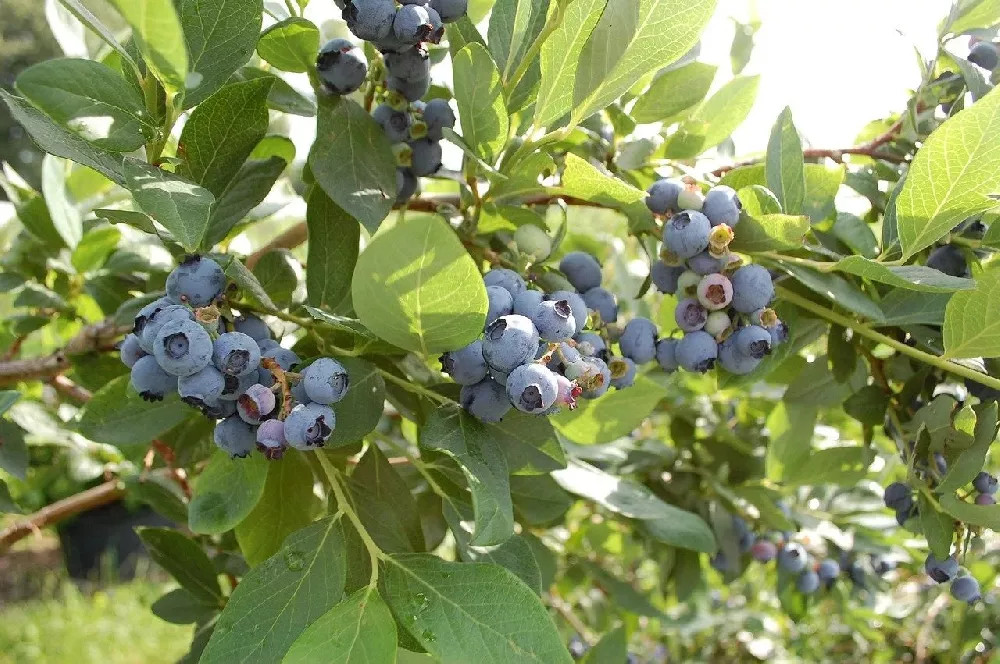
(415, 461)
(416, 388)
(899, 346)
(822, 266)
(291, 7)
(374, 552)
(551, 25)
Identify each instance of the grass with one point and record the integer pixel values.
(112, 625)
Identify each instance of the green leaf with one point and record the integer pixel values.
(352, 161)
(937, 526)
(815, 385)
(529, 444)
(185, 560)
(769, 232)
(481, 104)
(334, 238)
(987, 516)
(673, 92)
(222, 132)
(715, 119)
(632, 41)
(359, 412)
(221, 36)
(834, 465)
(89, 99)
(156, 30)
(784, 167)
(972, 319)
(283, 97)
(581, 179)
(57, 140)
(868, 405)
(611, 649)
(514, 25)
(290, 45)
(972, 460)
(179, 607)
(13, 451)
(538, 499)
(244, 278)
(468, 442)
(910, 277)
(612, 416)
(248, 189)
(117, 415)
(129, 218)
(94, 249)
(975, 14)
(359, 630)
(856, 234)
(7, 399)
(65, 216)
(381, 481)
(277, 274)
(461, 33)
(7, 504)
(560, 59)
(621, 594)
(515, 554)
(790, 426)
(277, 600)
(822, 184)
(836, 289)
(416, 287)
(286, 505)
(182, 207)
(470, 612)
(665, 522)
(951, 176)
(906, 307)
(226, 492)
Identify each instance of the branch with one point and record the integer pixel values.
(97, 337)
(68, 388)
(97, 496)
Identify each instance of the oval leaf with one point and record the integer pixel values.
(226, 492)
(290, 45)
(481, 106)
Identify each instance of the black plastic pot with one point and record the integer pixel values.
(103, 541)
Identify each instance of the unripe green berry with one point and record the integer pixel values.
(533, 241)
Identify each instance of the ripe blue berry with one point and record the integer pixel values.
(526, 302)
(285, 358)
(236, 354)
(326, 381)
(623, 371)
(369, 20)
(715, 292)
(666, 354)
(638, 340)
(792, 558)
(532, 388)
(965, 588)
(486, 400)
(752, 289)
(779, 333)
(426, 155)
(603, 302)
(500, 303)
(219, 410)
(828, 571)
(182, 348)
(341, 65)
(735, 362)
(406, 184)
(466, 366)
(237, 386)
(763, 551)
(256, 403)
(395, 124)
(412, 24)
(898, 496)
(722, 206)
(411, 89)
(590, 344)
(705, 263)
(690, 315)
(753, 341)
(202, 390)
(984, 54)
(697, 351)
(661, 197)
(686, 233)
(808, 582)
(411, 64)
(985, 483)
(235, 436)
(941, 570)
(253, 327)
(130, 351)
(150, 381)
(501, 276)
(563, 355)
(153, 325)
(309, 426)
(985, 499)
(147, 312)
(664, 276)
(437, 116)
(582, 270)
(196, 282)
(450, 10)
(271, 439)
(554, 320)
(510, 341)
(576, 304)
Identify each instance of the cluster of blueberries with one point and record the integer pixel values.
(231, 371)
(898, 497)
(723, 308)
(400, 33)
(537, 354)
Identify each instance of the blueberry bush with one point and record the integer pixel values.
(516, 363)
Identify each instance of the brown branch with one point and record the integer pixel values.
(68, 388)
(97, 337)
(14, 349)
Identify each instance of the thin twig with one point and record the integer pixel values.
(97, 337)
(102, 494)
(68, 388)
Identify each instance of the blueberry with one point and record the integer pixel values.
(719, 562)
(982, 392)
(752, 289)
(950, 260)
(486, 400)
(168, 314)
(697, 351)
(450, 10)
(686, 233)
(395, 124)
(623, 371)
(253, 327)
(341, 65)
(554, 320)
(271, 439)
(904, 515)
(984, 54)
(437, 116)
(130, 351)
(533, 241)
(722, 206)
(500, 303)
(266, 344)
(285, 358)
(412, 24)
(661, 197)
(638, 340)
(940, 463)
(326, 381)
(828, 571)
(235, 436)
(985, 499)
(792, 558)
(753, 341)
(256, 403)
(236, 354)
(603, 302)
(576, 304)
(219, 410)
(510, 341)
(182, 348)
(717, 323)
(411, 89)
(857, 574)
(690, 315)
(779, 333)
(590, 344)
(898, 496)
(526, 302)
(985, 483)
(705, 263)
(237, 386)
(150, 381)
(941, 571)
(406, 185)
(966, 588)
(532, 388)
(582, 270)
(592, 375)
(411, 64)
(664, 276)
(309, 426)
(466, 366)
(370, 20)
(147, 312)
(563, 355)
(715, 292)
(197, 281)
(666, 354)
(202, 390)
(808, 582)
(501, 276)
(577, 647)
(883, 566)
(735, 362)
(763, 551)
(426, 155)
